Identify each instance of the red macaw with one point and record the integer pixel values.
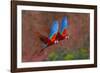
(52, 38)
(63, 34)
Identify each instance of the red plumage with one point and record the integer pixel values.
(63, 35)
(48, 41)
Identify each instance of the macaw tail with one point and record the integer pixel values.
(41, 51)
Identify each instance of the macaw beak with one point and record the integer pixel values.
(67, 37)
(56, 41)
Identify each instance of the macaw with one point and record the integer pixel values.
(63, 34)
(52, 38)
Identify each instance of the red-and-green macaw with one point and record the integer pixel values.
(63, 34)
(52, 38)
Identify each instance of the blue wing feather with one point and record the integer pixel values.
(54, 29)
(64, 24)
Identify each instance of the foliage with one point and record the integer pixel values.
(69, 56)
(52, 56)
(82, 54)
(63, 54)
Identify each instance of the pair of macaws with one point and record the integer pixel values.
(55, 36)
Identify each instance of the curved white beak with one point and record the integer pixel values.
(56, 41)
(67, 37)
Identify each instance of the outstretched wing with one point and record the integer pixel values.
(52, 36)
(64, 26)
(53, 31)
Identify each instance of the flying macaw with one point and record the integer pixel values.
(63, 34)
(52, 38)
